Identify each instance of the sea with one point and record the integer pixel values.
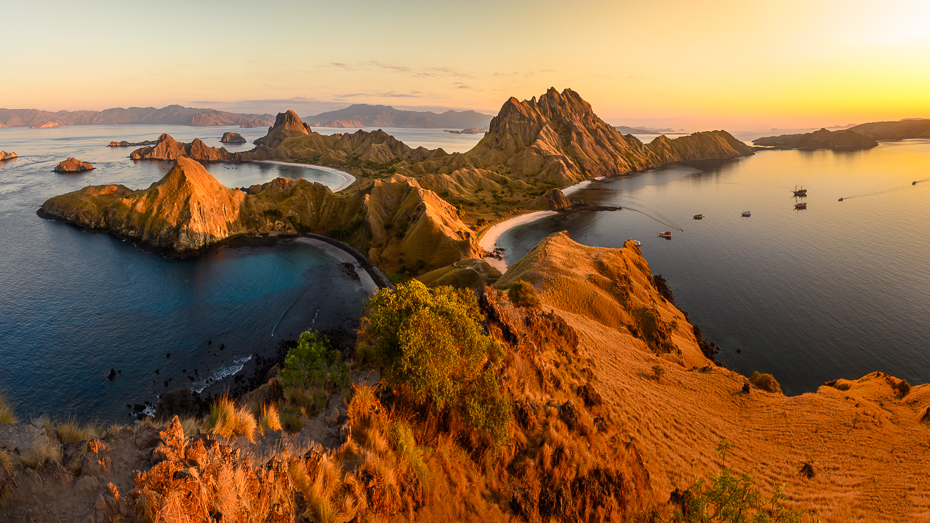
(75, 304)
(837, 290)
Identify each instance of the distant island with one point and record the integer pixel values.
(124, 143)
(900, 130)
(822, 139)
(233, 138)
(648, 130)
(170, 115)
(73, 166)
(364, 115)
(4, 156)
(473, 130)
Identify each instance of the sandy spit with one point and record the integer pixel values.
(348, 178)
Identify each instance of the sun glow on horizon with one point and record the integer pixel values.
(683, 64)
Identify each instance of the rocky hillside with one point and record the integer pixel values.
(170, 115)
(167, 149)
(286, 124)
(401, 225)
(708, 145)
(900, 130)
(822, 139)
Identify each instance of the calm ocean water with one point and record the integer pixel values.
(835, 291)
(73, 305)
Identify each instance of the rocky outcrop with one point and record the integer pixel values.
(72, 166)
(286, 125)
(471, 130)
(232, 138)
(900, 130)
(553, 200)
(47, 125)
(124, 143)
(822, 139)
(4, 156)
(167, 149)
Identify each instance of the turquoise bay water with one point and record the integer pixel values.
(73, 305)
(835, 291)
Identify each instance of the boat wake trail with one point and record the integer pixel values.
(661, 219)
(885, 191)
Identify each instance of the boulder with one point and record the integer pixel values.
(178, 402)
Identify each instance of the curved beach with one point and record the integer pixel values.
(348, 179)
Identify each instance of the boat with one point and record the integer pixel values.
(638, 243)
(914, 182)
(840, 200)
(666, 234)
(799, 192)
(802, 205)
(747, 214)
(698, 216)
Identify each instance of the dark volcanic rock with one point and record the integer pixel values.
(232, 138)
(72, 165)
(179, 402)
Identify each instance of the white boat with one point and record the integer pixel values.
(638, 243)
(747, 214)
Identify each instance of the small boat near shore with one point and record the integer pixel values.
(747, 214)
(802, 205)
(840, 200)
(799, 192)
(698, 216)
(666, 234)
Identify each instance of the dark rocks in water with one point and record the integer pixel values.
(178, 402)
(168, 355)
(112, 374)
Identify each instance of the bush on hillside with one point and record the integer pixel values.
(432, 348)
(522, 294)
(312, 371)
(902, 388)
(766, 382)
(730, 497)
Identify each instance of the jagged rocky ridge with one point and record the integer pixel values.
(4, 156)
(396, 222)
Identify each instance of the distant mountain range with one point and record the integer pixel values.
(364, 115)
(171, 115)
(648, 130)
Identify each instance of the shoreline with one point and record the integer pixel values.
(348, 179)
(488, 240)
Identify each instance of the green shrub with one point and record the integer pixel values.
(523, 294)
(433, 349)
(312, 371)
(766, 382)
(731, 497)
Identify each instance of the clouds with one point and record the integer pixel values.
(399, 68)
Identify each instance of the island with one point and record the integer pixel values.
(4, 156)
(72, 166)
(47, 125)
(124, 143)
(229, 137)
(471, 130)
(822, 139)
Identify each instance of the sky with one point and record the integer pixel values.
(697, 64)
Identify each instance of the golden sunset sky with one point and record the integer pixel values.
(693, 64)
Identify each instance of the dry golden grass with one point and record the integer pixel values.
(6, 413)
(69, 431)
(269, 419)
(227, 420)
(40, 452)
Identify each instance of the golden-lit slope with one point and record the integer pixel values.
(868, 446)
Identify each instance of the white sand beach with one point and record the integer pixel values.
(349, 179)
